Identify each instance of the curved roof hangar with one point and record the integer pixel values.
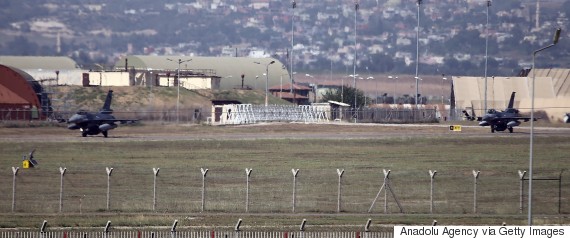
(229, 69)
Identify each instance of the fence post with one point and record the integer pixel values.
(173, 229)
(302, 228)
(155, 172)
(521, 189)
(109, 171)
(15, 173)
(560, 191)
(386, 178)
(340, 173)
(43, 229)
(62, 173)
(237, 228)
(295, 173)
(204, 173)
(378, 195)
(432, 176)
(106, 230)
(247, 173)
(475, 177)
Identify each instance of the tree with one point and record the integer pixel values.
(346, 95)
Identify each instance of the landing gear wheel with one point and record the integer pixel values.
(492, 129)
(510, 129)
(105, 133)
(84, 133)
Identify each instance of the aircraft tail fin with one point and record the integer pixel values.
(512, 101)
(467, 116)
(107, 106)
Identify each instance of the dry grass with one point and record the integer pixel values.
(179, 181)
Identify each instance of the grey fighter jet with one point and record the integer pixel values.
(95, 123)
(501, 120)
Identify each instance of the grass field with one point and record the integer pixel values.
(179, 182)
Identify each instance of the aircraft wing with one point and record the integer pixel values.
(127, 121)
(525, 119)
(122, 121)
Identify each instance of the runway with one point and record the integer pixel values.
(174, 132)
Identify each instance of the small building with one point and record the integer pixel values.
(218, 113)
(296, 94)
(336, 110)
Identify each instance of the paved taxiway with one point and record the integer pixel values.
(272, 131)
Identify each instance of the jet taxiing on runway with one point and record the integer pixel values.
(95, 123)
(501, 120)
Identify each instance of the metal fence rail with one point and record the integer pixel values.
(248, 114)
(192, 234)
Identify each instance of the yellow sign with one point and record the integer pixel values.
(26, 164)
(455, 128)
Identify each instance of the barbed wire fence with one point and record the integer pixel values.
(259, 191)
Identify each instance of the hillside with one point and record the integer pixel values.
(73, 98)
(454, 37)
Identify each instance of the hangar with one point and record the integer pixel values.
(58, 70)
(230, 72)
(195, 72)
(21, 96)
(552, 93)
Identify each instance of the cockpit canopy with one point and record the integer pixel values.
(82, 112)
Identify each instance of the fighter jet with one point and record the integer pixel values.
(501, 120)
(95, 123)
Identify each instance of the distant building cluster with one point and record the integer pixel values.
(316, 34)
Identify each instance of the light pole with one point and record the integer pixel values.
(353, 76)
(419, 2)
(281, 85)
(372, 78)
(356, 6)
(554, 42)
(486, 51)
(493, 99)
(313, 87)
(417, 80)
(266, 79)
(293, 6)
(342, 89)
(442, 79)
(395, 84)
(180, 61)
